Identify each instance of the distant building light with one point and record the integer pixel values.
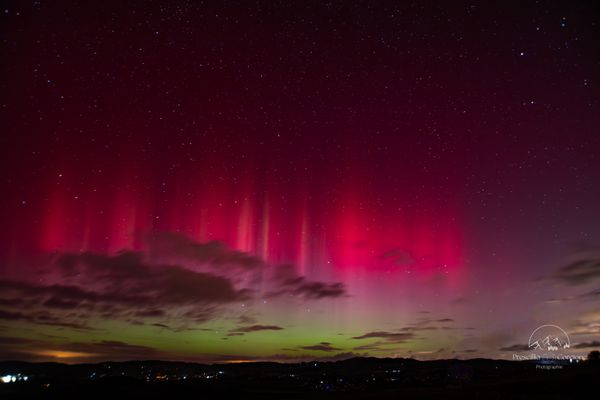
(7, 378)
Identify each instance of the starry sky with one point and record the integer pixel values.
(233, 181)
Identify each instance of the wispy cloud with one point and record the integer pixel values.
(323, 346)
(254, 328)
(587, 345)
(395, 337)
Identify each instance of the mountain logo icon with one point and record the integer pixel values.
(549, 338)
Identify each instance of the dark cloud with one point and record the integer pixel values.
(180, 328)
(127, 277)
(46, 318)
(43, 317)
(57, 302)
(583, 270)
(151, 312)
(422, 328)
(316, 290)
(395, 337)
(158, 284)
(516, 347)
(11, 340)
(10, 302)
(402, 335)
(587, 345)
(246, 319)
(171, 245)
(29, 293)
(290, 283)
(120, 286)
(428, 324)
(11, 316)
(256, 328)
(200, 315)
(376, 346)
(323, 346)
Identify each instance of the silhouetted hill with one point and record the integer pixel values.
(355, 378)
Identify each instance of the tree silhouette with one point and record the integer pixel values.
(594, 356)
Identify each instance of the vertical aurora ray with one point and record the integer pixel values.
(281, 227)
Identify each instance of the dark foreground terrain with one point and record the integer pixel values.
(358, 378)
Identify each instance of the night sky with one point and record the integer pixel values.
(297, 180)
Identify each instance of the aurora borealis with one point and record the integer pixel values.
(294, 181)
